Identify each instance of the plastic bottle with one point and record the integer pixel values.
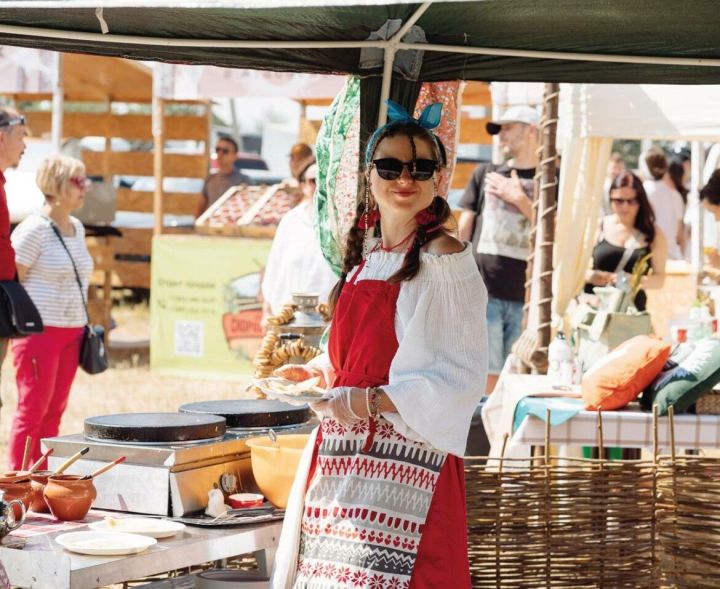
(561, 362)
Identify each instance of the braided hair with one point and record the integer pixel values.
(433, 228)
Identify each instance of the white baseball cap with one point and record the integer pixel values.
(515, 114)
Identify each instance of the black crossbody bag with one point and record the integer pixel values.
(93, 351)
(19, 316)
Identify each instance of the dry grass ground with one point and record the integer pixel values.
(128, 386)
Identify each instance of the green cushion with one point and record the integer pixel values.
(689, 373)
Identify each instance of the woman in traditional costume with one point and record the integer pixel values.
(379, 498)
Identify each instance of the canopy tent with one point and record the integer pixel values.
(531, 40)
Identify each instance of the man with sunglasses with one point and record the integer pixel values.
(12, 146)
(226, 176)
(497, 206)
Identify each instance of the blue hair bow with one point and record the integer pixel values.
(429, 119)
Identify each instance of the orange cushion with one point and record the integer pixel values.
(618, 378)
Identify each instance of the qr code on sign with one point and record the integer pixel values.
(189, 338)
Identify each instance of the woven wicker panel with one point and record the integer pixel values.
(688, 522)
(708, 404)
(582, 525)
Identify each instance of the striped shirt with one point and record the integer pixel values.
(50, 280)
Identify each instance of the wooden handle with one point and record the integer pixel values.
(107, 467)
(72, 459)
(26, 454)
(35, 466)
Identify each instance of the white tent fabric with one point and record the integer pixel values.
(590, 117)
(643, 111)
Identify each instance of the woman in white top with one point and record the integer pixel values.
(46, 363)
(667, 203)
(379, 498)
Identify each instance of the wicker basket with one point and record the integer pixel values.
(709, 403)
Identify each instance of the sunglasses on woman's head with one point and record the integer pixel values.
(80, 181)
(390, 168)
(620, 201)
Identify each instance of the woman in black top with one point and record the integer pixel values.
(631, 225)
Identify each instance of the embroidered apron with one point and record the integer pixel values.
(370, 488)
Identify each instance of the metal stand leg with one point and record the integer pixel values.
(265, 559)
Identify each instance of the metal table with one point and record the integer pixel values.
(44, 564)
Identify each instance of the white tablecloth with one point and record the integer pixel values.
(627, 428)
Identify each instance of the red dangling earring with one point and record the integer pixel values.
(369, 220)
(426, 216)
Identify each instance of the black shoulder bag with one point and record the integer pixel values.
(93, 352)
(19, 316)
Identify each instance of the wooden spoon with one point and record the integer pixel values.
(105, 468)
(72, 460)
(35, 466)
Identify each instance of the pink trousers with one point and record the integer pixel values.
(45, 366)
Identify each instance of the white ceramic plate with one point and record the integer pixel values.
(310, 396)
(145, 526)
(104, 543)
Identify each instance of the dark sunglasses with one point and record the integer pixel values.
(390, 168)
(620, 201)
(223, 150)
(14, 122)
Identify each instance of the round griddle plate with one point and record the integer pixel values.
(251, 413)
(154, 427)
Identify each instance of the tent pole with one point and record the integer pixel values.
(697, 229)
(385, 88)
(563, 56)
(410, 22)
(104, 39)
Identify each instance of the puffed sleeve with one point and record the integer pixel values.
(439, 371)
(27, 240)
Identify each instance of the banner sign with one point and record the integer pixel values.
(205, 307)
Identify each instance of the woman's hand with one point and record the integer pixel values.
(601, 278)
(299, 373)
(339, 406)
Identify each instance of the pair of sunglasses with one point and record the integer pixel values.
(390, 168)
(621, 201)
(14, 122)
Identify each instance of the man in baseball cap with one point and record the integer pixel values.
(515, 114)
(497, 206)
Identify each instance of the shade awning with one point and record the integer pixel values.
(528, 40)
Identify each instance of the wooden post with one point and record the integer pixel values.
(58, 100)
(547, 211)
(158, 128)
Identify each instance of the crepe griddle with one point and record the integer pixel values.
(250, 413)
(154, 427)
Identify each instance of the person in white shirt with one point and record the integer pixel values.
(295, 262)
(46, 363)
(667, 203)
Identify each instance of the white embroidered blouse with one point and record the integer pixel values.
(438, 374)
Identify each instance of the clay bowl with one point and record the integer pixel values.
(38, 480)
(69, 496)
(17, 485)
